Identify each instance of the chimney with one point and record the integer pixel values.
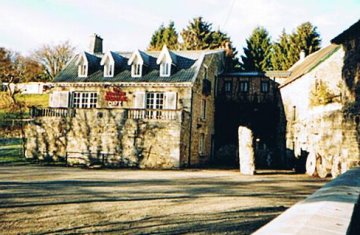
(302, 55)
(96, 44)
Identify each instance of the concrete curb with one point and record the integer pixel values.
(327, 211)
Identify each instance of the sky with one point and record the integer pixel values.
(128, 25)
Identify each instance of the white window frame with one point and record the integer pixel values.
(109, 70)
(82, 70)
(227, 86)
(157, 98)
(264, 84)
(203, 109)
(84, 99)
(242, 86)
(165, 69)
(136, 70)
(206, 72)
(202, 144)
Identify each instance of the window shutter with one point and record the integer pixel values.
(59, 99)
(170, 100)
(53, 99)
(139, 100)
(63, 99)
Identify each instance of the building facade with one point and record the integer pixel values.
(140, 109)
(320, 103)
(249, 99)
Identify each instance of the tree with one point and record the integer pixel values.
(198, 35)
(287, 50)
(31, 70)
(257, 51)
(10, 73)
(54, 57)
(307, 38)
(283, 55)
(164, 36)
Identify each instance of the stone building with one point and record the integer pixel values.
(249, 99)
(320, 100)
(152, 109)
(170, 109)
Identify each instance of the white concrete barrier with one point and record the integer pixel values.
(327, 211)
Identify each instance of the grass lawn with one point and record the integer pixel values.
(11, 152)
(39, 100)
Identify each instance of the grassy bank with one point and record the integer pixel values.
(11, 151)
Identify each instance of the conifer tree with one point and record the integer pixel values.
(257, 51)
(164, 35)
(307, 38)
(287, 50)
(283, 55)
(198, 35)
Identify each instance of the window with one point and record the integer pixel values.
(227, 86)
(82, 70)
(265, 85)
(154, 100)
(202, 144)
(165, 69)
(203, 109)
(244, 86)
(136, 70)
(206, 73)
(84, 100)
(108, 70)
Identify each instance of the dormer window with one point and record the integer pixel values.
(136, 70)
(166, 60)
(82, 70)
(83, 65)
(165, 69)
(137, 61)
(112, 63)
(109, 70)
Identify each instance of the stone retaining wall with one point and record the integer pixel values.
(97, 135)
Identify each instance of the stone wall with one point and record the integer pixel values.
(327, 130)
(94, 136)
(329, 134)
(214, 65)
(108, 132)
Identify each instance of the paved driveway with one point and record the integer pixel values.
(47, 200)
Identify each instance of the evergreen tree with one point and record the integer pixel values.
(198, 35)
(307, 38)
(287, 50)
(164, 35)
(257, 51)
(283, 55)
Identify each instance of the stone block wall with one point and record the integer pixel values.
(200, 126)
(106, 136)
(329, 134)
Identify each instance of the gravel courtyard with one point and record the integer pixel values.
(60, 200)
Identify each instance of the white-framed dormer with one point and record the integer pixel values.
(109, 64)
(83, 65)
(136, 61)
(165, 60)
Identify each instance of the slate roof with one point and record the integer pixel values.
(351, 32)
(310, 62)
(187, 65)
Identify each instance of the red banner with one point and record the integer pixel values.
(115, 95)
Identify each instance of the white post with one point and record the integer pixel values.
(246, 151)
